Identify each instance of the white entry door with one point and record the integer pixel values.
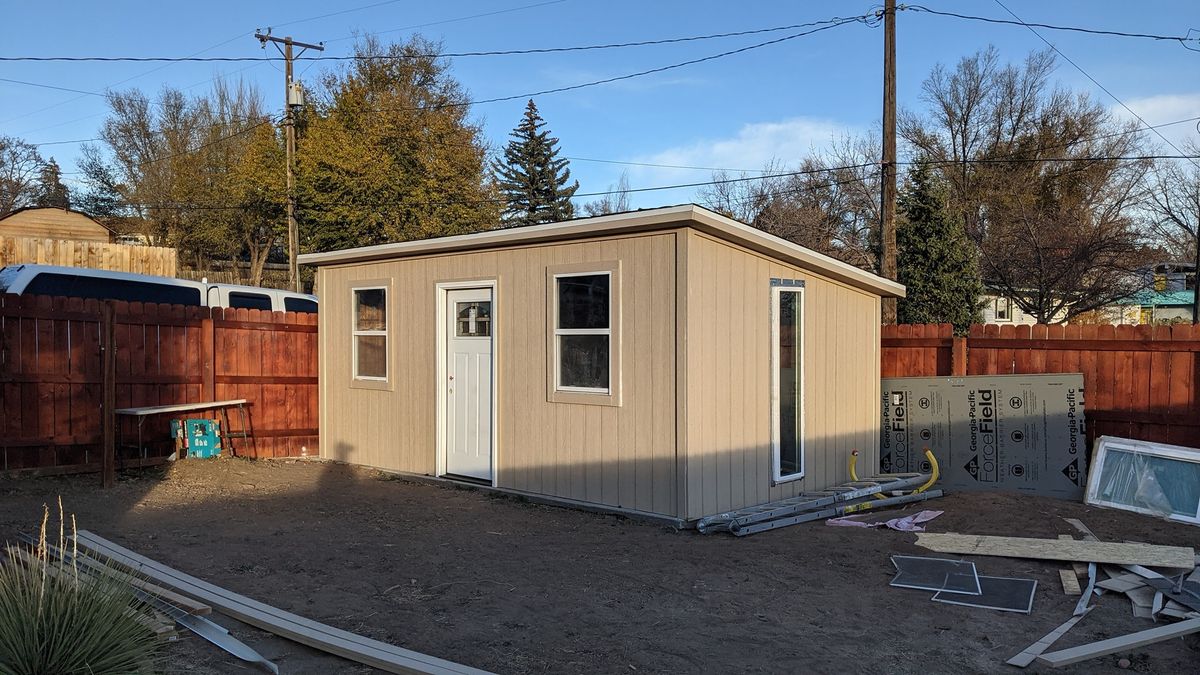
(468, 385)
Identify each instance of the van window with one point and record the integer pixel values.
(241, 300)
(100, 288)
(299, 305)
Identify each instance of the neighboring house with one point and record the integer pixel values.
(669, 362)
(1000, 309)
(54, 223)
(1161, 306)
(1174, 276)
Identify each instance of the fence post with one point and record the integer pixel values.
(958, 357)
(208, 359)
(108, 422)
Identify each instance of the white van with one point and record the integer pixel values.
(252, 297)
(78, 282)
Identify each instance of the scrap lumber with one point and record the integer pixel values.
(1030, 653)
(1055, 549)
(1066, 657)
(294, 627)
(1070, 582)
(1122, 583)
(1079, 569)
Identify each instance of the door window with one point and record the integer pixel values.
(473, 319)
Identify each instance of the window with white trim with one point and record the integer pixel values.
(1003, 309)
(370, 335)
(787, 379)
(583, 332)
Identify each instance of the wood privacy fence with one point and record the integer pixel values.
(157, 260)
(1139, 381)
(52, 379)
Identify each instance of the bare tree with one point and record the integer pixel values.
(20, 170)
(829, 203)
(615, 201)
(1031, 176)
(197, 173)
(1173, 202)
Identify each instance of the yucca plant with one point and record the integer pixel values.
(59, 617)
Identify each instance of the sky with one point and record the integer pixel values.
(778, 102)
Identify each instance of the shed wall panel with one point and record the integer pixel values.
(728, 388)
(615, 456)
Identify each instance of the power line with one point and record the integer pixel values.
(115, 84)
(105, 96)
(1094, 80)
(456, 19)
(865, 19)
(1182, 39)
(376, 57)
(656, 188)
(660, 166)
(337, 13)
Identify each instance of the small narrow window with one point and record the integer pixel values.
(583, 332)
(370, 334)
(788, 379)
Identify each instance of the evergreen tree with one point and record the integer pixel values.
(937, 262)
(532, 177)
(51, 191)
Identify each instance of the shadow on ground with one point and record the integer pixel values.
(515, 587)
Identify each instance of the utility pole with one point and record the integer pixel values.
(292, 99)
(1196, 269)
(887, 201)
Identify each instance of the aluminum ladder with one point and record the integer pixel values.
(852, 497)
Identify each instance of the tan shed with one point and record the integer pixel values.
(53, 223)
(668, 362)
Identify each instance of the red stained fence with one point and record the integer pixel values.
(1140, 381)
(52, 382)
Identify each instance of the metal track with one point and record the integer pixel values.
(733, 521)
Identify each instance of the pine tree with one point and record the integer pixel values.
(51, 191)
(937, 262)
(532, 177)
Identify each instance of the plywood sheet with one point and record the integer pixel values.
(1058, 549)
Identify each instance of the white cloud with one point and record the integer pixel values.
(750, 148)
(1166, 108)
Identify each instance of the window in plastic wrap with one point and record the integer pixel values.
(1140, 479)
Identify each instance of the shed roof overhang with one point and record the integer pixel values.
(668, 217)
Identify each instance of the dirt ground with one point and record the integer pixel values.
(514, 587)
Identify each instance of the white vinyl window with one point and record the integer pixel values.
(583, 332)
(787, 380)
(370, 334)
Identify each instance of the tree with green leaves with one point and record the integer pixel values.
(51, 191)
(937, 261)
(387, 151)
(532, 177)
